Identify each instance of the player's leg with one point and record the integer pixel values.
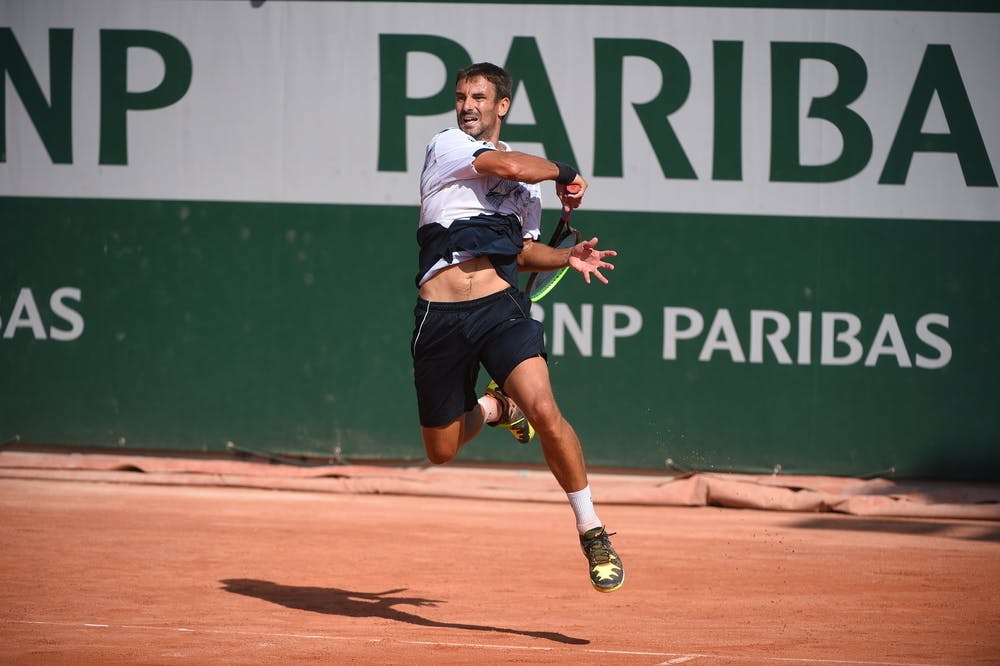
(528, 385)
(445, 370)
(442, 443)
(513, 352)
(446, 347)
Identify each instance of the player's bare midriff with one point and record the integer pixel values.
(466, 281)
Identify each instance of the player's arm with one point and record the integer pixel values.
(514, 165)
(527, 168)
(584, 258)
(536, 257)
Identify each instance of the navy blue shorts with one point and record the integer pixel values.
(451, 340)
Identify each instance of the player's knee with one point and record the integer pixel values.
(438, 456)
(439, 449)
(545, 417)
(439, 453)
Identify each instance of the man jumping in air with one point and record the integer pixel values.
(480, 213)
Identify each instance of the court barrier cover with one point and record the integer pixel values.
(796, 493)
(208, 213)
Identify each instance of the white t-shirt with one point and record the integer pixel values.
(451, 189)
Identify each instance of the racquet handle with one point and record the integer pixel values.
(572, 188)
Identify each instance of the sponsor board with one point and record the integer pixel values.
(854, 113)
(803, 201)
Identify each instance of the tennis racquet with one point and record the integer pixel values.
(565, 236)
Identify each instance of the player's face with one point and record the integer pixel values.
(478, 110)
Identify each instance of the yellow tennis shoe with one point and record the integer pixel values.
(511, 416)
(606, 572)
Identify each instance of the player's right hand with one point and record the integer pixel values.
(571, 195)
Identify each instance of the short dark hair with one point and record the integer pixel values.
(495, 74)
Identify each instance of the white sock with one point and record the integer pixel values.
(491, 410)
(583, 506)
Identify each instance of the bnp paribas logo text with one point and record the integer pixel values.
(31, 315)
(755, 336)
(938, 85)
(52, 113)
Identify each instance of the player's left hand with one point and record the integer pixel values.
(587, 260)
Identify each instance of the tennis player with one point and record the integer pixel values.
(480, 212)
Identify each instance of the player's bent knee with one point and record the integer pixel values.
(439, 454)
(436, 457)
(439, 447)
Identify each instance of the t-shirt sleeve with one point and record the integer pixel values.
(454, 152)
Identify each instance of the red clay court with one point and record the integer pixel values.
(138, 559)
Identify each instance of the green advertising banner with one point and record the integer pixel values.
(208, 215)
